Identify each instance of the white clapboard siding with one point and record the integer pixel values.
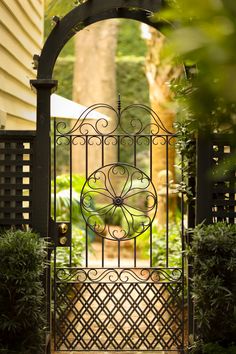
(21, 36)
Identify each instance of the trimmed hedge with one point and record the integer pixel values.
(22, 323)
(214, 285)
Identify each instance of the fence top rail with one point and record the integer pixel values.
(17, 133)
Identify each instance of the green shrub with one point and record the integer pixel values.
(22, 322)
(214, 283)
(211, 348)
(159, 245)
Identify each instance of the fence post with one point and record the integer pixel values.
(204, 184)
(41, 182)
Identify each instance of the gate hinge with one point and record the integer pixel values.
(60, 232)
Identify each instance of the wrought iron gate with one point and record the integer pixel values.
(107, 295)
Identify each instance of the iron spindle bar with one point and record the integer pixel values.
(103, 239)
(86, 176)
(118, 245)
(54, 171)
(151, 246)
(150, 239)
(118, 147)
(103, 250)
(55, 220)
(167, 202)
(70, 162)
(135, 252)
(102, 137)
(86, 157)
(135, 150)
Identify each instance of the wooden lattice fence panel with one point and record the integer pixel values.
(216, 179)
(16, 178)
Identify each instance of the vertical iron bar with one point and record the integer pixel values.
(102, 141)
(151, 246)
(118, 253)
(150, 235)
(70, 161)
(151, 158)
(103, 239)
(55, 220)
(55, 300)
(135, 163)
(103, 250)
(118, 147)
(167, 201)
(54, 170)
(86, 176)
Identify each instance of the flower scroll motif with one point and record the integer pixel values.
(118, 191)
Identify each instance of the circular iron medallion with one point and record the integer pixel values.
(118, 201)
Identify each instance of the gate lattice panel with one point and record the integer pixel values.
(120, 309)
(124, 302)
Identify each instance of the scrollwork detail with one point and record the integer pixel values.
(122, 275)
(124, 189)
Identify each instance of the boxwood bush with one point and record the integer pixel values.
(214, 286)
(22, 323)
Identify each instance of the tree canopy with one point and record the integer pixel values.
(203, 36)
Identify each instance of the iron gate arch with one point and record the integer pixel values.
(90, 12)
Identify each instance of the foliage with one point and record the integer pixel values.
(203, 37)
(130, 42)
(208, 28)
(211, 348)
(186, 155)
(63, 204)
(22, 256)
(214, 282)
(63, 72)
(174, 244)
(159, 245)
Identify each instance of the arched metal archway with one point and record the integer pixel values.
(151, 294)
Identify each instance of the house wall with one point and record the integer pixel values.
(21, 36)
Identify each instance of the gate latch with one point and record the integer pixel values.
(62, 234)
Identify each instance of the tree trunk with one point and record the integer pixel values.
(160, 72)
(95, 82)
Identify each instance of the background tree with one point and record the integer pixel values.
(161, 72)
(205, 37)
